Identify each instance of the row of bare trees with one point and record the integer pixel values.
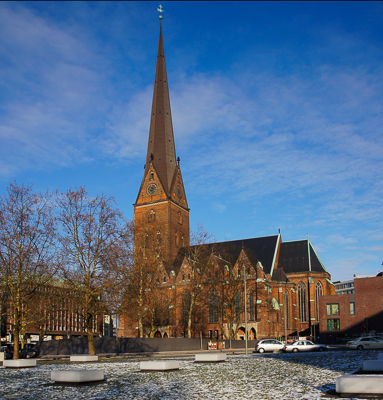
(207, 287)
(55, 245)
(69, 253)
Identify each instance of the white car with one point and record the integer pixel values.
(365, 343)
(303, 345)
(268, 345)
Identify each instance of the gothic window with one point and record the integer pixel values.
(213, 307)
(179, 217)
(287, 309)
(158, 238)
(186, 299)
(182, 240)
(237, 308)
(166, 319)
(251, 304)
(302, 301)
(176, 238)
(152, 216)
(151, 176)
(318, 293)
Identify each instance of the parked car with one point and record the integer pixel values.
(303, 345)
(268, 345)
(7, 352)
(28, 353)
(365, 343)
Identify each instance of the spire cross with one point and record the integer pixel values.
(160, 10)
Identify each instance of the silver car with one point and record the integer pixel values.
(268, 345)
(303, 345)
(365, 343)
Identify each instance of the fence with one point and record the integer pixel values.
(131, 345)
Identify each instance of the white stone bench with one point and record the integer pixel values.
(360, 384)
(210, 357)
(373, 365)
(159, 365)
(77, 376)
(83, 358)
(24, 363)
(380, 356)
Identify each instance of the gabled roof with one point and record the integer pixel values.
(257, 249)
(294, 257)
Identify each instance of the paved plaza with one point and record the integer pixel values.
(271, 376)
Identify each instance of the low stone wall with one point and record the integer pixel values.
(131, 345)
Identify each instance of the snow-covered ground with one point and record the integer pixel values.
(274, 376)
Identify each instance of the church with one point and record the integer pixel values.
(259, 287)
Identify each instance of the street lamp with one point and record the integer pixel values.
(244, 279)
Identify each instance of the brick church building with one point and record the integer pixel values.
(210, 289)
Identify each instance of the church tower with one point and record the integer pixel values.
(161, 213)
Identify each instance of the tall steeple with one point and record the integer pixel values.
(161, 204)
(161, 148)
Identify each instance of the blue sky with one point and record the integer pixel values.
(277, 112)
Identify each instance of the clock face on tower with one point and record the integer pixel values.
(152, 188)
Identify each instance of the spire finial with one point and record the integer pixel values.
(160, 10)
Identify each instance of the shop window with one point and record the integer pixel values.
(332, 309)
(333, 324)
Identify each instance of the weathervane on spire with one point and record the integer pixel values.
(160, 10)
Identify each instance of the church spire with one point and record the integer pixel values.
(161, 148)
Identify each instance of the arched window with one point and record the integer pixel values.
(152, 216)
(166, 319)
(251, 304)
(237, 308)
(318, 292)
(186, 299)
(179, 217)
(176, 237)
(287, 316)
(302, 301)
(213, 307)
(158, 238)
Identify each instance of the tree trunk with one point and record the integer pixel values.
(91, 348)
(190, 315)
(16, 346)
(140, 326)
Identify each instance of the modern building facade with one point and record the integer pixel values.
(353, 314)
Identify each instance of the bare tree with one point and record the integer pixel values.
(198, 256)
(142, 296)
(226, 288)
(91, 232)
(27, 252)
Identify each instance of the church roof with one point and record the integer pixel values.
(262, 249)
(294, 257)
(161, 147)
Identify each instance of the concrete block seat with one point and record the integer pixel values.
(23, 363)
(159, 365)
(373, 365)
(380, 356)
(360, 384)
(83, 358)
(77, 376)
(210, 357)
